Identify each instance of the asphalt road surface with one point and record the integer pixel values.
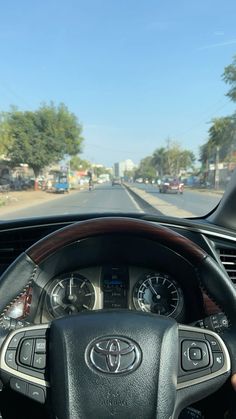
(101, 199)
(107, 198)
(198, 203)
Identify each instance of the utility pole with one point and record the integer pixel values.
(217, 172)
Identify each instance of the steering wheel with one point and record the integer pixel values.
(119, 363)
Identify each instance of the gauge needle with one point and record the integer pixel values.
(152, 288)
(70, 295)
(70, 285)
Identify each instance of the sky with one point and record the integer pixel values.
(134, 72)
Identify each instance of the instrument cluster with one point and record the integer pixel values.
(113, 287)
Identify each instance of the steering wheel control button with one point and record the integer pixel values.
(213, 343)
(26, 350)
(218, 361)
(36, 393)
(39, 361)
(195, 355)
(40, 346)
(18, 385)
(32, 372)
(15, 340)
(10, 359)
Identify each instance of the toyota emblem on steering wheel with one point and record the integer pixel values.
(115, 355)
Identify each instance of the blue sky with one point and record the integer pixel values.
(134, 72)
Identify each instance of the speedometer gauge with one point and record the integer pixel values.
(159, 293)
(70, 293)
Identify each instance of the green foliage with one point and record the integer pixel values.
(165, 160)
(146, 170)
(5, 135)
(100, 170)
(76, 163)
(221, 134)
(229, 77)
(129, 173)
(159, 161)
(42, 137)
(171, 159)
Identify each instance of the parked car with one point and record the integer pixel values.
(172, 185)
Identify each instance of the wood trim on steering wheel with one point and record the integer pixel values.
(113, 225)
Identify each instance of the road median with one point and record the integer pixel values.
(158, 204)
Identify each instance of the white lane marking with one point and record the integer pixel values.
(133, 201)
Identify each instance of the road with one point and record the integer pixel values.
(103, 198)
(116, 199)
(196, 202)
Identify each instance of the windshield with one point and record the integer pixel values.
(116, 106)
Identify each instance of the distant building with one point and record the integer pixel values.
(117, 170)
(129, 165)
(121, 167)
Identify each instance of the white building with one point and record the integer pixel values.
(123, 166)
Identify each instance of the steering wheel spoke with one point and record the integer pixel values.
(203, 356)
(204, 365)
(23, 362)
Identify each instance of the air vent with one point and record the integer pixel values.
(228, 258)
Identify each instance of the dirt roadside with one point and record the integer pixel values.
(16, 200)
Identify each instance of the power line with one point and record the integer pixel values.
(207, 117)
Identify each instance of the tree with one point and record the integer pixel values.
(146, 170)
(100, 170)
(5, 135)
(172, 158)
(220, 134)
(76, 163)
(169, 160)
(42, 137)
(159, 160)
(129, 174)
(229, 76)
(221, 142)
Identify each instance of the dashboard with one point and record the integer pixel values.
(102, 287)
(118, 273)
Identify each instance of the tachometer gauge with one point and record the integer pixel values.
(70, 293)
(159, 293)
